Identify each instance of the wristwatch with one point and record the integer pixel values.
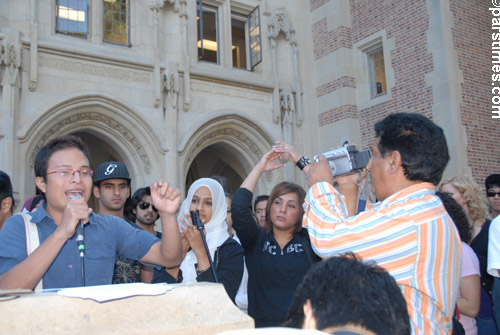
(303, 162)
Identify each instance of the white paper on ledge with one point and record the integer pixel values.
(105, 293)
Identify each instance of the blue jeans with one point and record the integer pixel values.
(496, 302)
(486, 325)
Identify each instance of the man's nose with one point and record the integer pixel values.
(76, 177)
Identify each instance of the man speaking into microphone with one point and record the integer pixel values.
(63, 174)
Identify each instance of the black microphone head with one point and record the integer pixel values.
(195, 218)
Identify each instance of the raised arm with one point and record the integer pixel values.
(168, 252)
(266, 163)
(243, 221)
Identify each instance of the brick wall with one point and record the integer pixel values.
(407, 22)
(472, 40)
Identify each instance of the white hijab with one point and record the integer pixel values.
(215, 229)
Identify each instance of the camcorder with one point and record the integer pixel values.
(345, 160)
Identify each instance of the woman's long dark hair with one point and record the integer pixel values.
(458, 216)
(278, 190)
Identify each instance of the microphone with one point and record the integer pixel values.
(80, 242)
(80, 238)
(195, 217)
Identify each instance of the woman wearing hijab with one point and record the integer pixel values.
(207, 196)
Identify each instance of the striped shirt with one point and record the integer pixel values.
(409, 234)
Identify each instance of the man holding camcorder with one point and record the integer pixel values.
(408, 232)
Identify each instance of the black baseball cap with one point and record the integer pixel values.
(492, 179)
(111, 170)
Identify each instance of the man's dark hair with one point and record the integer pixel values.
(421, 143)
(134, 201)
(54, 145)
(263, 197)
(458, 216)
(344, 291)
(6, 188)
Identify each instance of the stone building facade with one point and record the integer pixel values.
(142, 91)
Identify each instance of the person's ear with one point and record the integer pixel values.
(6, 205)
(134, 211)
(40, 183)
(97, 192)
(309, 320)
(395, 162)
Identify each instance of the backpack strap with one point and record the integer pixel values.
(32, 240)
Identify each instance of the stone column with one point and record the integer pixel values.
(155, 6)
(273, 33)
(10, 64)
(187, 57)
(171, 110)
(33, 71)
(288, 114)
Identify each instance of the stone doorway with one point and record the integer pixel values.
(101, 152)
(220, 159)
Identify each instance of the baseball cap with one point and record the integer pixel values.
(111, 170)
(492, 179)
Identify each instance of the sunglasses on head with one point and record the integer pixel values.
(492, 194)
(145, 205)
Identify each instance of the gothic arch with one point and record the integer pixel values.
(113, 122)
(244, 140)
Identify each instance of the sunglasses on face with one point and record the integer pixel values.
(492, 194)
(145, 205)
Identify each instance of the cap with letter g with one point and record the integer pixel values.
(111, 170)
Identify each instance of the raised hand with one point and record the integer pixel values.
(319, 171)
(166, 198)
(268, 161)
(289, 152)
(74, 211)
(192, 235)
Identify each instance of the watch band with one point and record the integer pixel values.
(303, 162)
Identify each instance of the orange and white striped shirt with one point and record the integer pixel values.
(409, 234)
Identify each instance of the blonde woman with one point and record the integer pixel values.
(467, 193)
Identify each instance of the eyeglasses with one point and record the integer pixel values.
(65, 172)
(492, 194)
(145, 205)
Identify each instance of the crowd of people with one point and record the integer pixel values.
(423, 257)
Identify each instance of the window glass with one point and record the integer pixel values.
(377, 72)
(239, 42)
(207, 34)
(116, 21)
(72, 18)
(255, 40)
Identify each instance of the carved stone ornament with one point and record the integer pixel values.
(287, 105)
(156, 4)
(110, 123)
(279, 24)
(232, 134)
(11, 58)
